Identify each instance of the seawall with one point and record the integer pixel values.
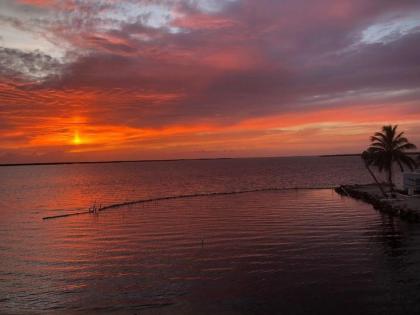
(405, 207)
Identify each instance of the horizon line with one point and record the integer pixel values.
(182, 159)
(167, 160)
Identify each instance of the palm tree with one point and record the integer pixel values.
(389, 147)
(368, 158)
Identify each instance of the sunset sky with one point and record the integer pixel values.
(160, 79)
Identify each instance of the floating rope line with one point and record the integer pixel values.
(128, 203)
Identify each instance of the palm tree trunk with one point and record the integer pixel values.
(391, 183)
(376, 180)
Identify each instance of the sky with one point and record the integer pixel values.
(84, 80)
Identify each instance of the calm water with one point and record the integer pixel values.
(278, 252)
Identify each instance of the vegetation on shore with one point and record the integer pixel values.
(389, 148)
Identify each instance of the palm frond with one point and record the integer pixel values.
(406, 146)
(387, 148)
(378, 136)
(401, 140)
(400, 135)
(407, 161)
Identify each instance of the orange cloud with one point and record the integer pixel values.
(325, 130)
(38, 3)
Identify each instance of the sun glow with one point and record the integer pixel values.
(76, 138)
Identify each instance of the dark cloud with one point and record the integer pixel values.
(20, 64)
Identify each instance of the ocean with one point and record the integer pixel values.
(242, 236)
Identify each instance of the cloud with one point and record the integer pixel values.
(40, 3)
(27, 65)
(389, 31)
(206, 69)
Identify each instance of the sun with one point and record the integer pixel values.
(76, 138)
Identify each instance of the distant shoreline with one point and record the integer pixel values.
(339, 155)
(106, 162)
(359, 154)
(144, 161)
(176, 160)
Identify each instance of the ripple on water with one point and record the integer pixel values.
(289, 251)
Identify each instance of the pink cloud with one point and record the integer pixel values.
(201, 21)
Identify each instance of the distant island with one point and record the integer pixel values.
(106, 162)
(359, 154)
(338, 155)
(175, 160)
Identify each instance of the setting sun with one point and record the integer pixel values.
(76, 138)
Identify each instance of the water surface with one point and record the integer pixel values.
(278, 252)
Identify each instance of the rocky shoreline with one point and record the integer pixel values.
(405, 207)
